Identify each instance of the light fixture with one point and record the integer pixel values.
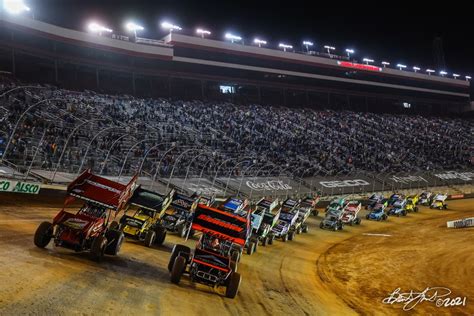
(367, 60)
(232, 37)
(415, 68)
(170, 27)
(259, 42)
(401, 66)
(97, 28)
(15, 6)
(203, 33)
(285, 46)
(133, 27)
(385, 64)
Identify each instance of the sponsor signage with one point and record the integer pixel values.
(271, 185)
(461, 223)
(454, 175)
(408, 179)
(19, 187)
(349, 64)
(344, 183)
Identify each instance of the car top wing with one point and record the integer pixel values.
(147, 199)
(182, 202)
(222, 224)
(102, 191)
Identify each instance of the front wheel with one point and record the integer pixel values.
(150, 238)
(233, 286)
(250, 248)
(284, 238)
(160, 235)
(291, 235)
(43, 234)
(98, 248)
(178, 269)
(114, 242)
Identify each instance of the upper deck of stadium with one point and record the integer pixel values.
(199, 60)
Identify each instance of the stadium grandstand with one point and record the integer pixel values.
(190, 106)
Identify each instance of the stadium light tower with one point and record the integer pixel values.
(285, 46)
(97, 28)
(368, 60)
(132, 27)
(401, 66)
(430, 71)
(329, 49)
(385, 64)
(307, 44)
(349, 51)
(455, 76)
(15, 6)
(170, 27)
(233, 38)
(443, 73)
(259, 42)
(468, 78)
(415, 68)
(203, 33)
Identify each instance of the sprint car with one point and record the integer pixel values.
(373, 200)
(332, 220)
(336, 204)
(411, 204)
(178, 215)
(263, 220)
(398, 208)
(439, 202)
(88, 229)
(351, 212)
(378, 213)
(240, 208)
(288, 222)
(212, 262)
(425, 198)
(394, 197)
(141, 219)
(303, 214)
(311, 202)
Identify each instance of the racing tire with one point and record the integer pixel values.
(384, 217)
(255, 245)
(284, 238)
(160, 235)
(367, 216)
(264, 241)
(291, 235)
(415, 209)
(178, 269)
(183, 231)
(150, 238)
(114, 242)
(235, 255)
(404, 213)
(299, 230)
(250, 248)
(271, 239)
(321, 225)
(178, 250)
(114, 225)
(43, 234)
(305, 228)
(335, 228)
(315, 213)
(98, 248)
(233, 286)
(358, 221)
(445, 206)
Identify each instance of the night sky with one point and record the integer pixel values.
(396, 31)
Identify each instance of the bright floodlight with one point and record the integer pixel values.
(202, 32)
(456, 76)
(349, 51)
(468, 78)
(285, 46)
(368, 60)
(430, 71)
(232, 37)
(385, 64)
(132, 27)
(171, 27)
(15, 6)
(401, 66)
(259, 42)
(97, 28)
(443, 73)
(308, 43)
(415, 68)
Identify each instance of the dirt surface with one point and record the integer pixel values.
(322, 272)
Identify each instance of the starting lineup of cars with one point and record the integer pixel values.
(227, 228)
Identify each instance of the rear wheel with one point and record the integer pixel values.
(298, 230)
(264, 241)
(233, 286)
(367, 216)
(178, 250)
(291, 235)
(235, 255)
(177, 270)
(284, 238)
(98, 248)
(271, 239)
(150, 238)
(160, 235)
(114, 242)
(43, 234)
(305, 228)
(250, 248)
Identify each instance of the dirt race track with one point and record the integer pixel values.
(319, 273)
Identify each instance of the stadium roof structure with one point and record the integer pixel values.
(206, 60)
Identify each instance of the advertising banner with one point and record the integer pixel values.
(19, 187)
